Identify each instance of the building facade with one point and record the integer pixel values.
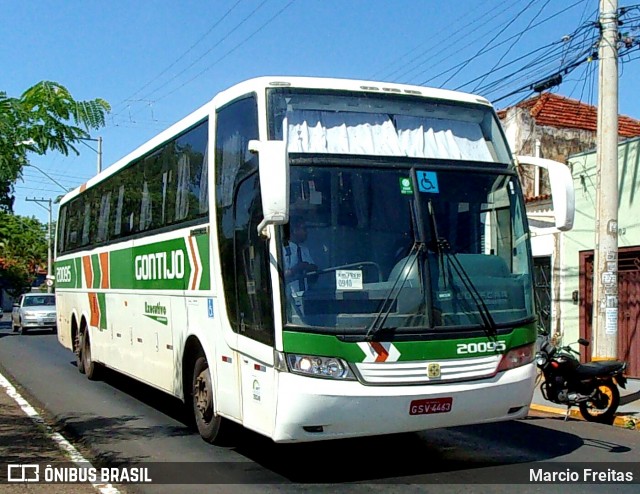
(564, 129)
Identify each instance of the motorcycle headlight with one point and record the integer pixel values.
(314, 366)
(541, 359)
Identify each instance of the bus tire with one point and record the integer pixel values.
(91, 368)
(207, 422)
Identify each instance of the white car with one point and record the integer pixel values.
(34, 311)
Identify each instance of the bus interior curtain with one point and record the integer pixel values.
(315, 131)
(233, 156)
(203, 193)
(145, 208)
(182, 195)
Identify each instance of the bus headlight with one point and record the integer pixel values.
(516, 357)
(327, 367)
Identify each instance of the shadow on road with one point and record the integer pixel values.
(439, 451)
(441, 454)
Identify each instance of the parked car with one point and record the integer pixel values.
(34, 311)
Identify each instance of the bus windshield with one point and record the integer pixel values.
(392, 247)
(332, 122)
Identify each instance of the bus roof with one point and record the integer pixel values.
(258, 84)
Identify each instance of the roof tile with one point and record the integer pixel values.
(558, 111)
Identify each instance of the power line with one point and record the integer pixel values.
(513, 45)
(452, 46)
(237, 26)
(229, 52)
(434, 46)
(184, 54)
(486, 49)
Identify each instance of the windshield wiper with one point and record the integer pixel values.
(415, 253)
(442, 247)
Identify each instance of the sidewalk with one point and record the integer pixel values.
(627, 416)
(26, 440)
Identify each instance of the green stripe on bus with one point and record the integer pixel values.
(160, 266)
(102, 303)
(330, 346)
(97, 272)
(78, 272)
(203, 247)
(68, 273)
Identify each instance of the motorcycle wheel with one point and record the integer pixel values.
(602, 408)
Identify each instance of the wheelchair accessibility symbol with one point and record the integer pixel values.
(427, 182)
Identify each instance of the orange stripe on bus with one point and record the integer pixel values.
(95, 310)
(381, 351)
(195, 263)
(104, 269)
(88, 272)
(83, 187)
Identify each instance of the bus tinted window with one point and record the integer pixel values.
(164, 189)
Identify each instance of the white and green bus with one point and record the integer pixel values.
(413, 307)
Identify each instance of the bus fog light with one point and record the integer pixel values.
(327, 367)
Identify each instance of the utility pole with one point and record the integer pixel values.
(49, 247)
(605, 265)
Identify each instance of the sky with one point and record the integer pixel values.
(157, 61)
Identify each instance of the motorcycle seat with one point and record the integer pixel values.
(603, 368)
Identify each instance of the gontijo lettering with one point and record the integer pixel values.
(160, 266)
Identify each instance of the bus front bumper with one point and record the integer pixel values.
(311, 409)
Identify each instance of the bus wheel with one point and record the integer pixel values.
(91, 368)
(207, 421)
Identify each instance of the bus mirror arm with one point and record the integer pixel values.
(562, 190)
(273, 170)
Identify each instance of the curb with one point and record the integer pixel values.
(623, 421)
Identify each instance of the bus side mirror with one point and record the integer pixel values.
(562, 191)
(274, 182)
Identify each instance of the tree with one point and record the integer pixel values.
(44, 118)
(23, 251)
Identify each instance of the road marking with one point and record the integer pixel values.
(65, 445)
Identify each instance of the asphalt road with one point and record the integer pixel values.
(118, 421)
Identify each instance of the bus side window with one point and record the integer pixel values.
(118, 208)
(243, 255)
(103, 216)
(255, 311)
(74, 222)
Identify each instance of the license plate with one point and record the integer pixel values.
(431, 405)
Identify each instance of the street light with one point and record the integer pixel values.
(31, 142)
(98, 151)
(49, 249)
(49, 177)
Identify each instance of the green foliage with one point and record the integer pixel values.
(23, 251)
(45, 118)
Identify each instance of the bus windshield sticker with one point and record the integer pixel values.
(349, 279)
(405, 185)
(427, 182)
